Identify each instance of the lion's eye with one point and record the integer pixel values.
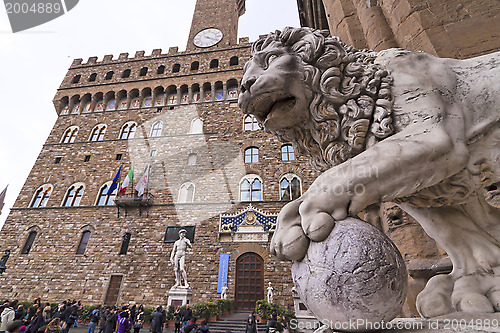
(271, 58)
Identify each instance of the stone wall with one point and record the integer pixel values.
(455, 29)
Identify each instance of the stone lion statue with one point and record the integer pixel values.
(394, 125)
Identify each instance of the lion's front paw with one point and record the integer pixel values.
(311, 217)
(289, 241)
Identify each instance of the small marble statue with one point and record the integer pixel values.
(223, 294)
(270, 293)
(3, 261)
(178, 257)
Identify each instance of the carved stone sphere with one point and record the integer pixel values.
(356, 275)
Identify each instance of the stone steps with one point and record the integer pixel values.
(234, 323)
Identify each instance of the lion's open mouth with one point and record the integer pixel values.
(262, 107)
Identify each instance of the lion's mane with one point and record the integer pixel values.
(352, 96)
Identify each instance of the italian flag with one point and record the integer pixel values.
(128, 179)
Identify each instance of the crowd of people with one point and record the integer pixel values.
(184, 321)
(273, 326)
(38, 318)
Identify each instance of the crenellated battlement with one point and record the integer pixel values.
(141, 55)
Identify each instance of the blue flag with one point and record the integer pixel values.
(116, 180)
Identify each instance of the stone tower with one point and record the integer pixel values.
(215, 24)
(213, 172)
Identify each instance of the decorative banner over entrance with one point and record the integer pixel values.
(223, 269)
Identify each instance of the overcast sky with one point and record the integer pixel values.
(33, 63)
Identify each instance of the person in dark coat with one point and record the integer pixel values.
(102, 320)
(274, 326)
(36, 322)
(251, 325)
(177, 320)
(157, 320)
(187, 314)
(111, 320)
(254, 322)
(70, 317)
(20, 312)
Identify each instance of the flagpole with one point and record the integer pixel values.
(119, 182)
(132, 182)
(149, 176)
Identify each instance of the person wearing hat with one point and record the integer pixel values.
(178, 257)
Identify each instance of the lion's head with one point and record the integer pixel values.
(314, 91)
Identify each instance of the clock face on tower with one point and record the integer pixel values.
(207, 37)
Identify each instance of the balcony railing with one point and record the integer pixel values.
(132, 201)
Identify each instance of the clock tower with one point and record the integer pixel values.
(215, 24)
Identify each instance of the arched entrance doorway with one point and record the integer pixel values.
(249, 280)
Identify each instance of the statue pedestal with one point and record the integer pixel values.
(179, 296)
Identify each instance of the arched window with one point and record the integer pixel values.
(290, 188)
(76, 79)
(214, 63)
(109, 75)
(156, 129)
(252, 155)
(41, 197)
(186, 193)
(104, 198)
(84, 241)
(92, 77)
(287, 153)
(176, 68)
(73, 195)
(196, 126)
(128, 130)
(251, 188)
(98, 133)
(29, 242)
(144, 71)
(192, 159)
(160, 70)
(195, 65)
(126, 74)
(70, 135)
(233, 61)
(125, 242)
(250, 123)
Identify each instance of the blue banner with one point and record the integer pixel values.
(223, 269)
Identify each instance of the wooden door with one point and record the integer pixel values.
(113, 292)
(249, 281)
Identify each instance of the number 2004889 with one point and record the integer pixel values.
(26, 8)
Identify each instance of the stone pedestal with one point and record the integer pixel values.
(179, 296)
